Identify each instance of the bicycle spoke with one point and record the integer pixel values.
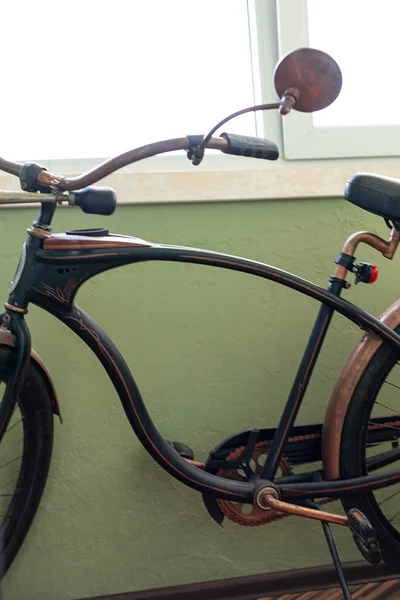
(10, 462)
(389, 498)
(393, 518)
(392, 384)
(389, 451)
(375, 444)
(396, 412)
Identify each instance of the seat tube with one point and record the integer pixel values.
(300, 383)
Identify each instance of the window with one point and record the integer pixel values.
(100, 78)
(362, 35)
(93, 79)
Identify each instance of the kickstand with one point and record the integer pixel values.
(336, 560)
(334, 553)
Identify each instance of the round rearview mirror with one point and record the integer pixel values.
(312, 76)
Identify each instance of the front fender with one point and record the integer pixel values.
(6, 339)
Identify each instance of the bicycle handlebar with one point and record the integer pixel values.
(296, 77)
(113, 164)
(227, 143)
(106, 168)
(8, 166)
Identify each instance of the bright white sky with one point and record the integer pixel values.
(363, 36)
(99, 78)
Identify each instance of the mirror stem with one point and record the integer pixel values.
(198, 154)
(289, 99)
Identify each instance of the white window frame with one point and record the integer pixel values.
(305, 169)
(303, 140)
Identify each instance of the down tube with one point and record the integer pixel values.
(113, 362)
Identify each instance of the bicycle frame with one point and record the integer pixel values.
(54, 266)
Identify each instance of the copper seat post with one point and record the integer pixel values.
(386, 247)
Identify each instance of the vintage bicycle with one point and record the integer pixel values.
(358, 443)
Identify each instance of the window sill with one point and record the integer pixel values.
(270, 183)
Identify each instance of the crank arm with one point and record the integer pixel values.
(268, 499)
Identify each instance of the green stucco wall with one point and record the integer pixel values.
(213, 352)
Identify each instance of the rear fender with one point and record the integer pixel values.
(344, 388)
(6, 339)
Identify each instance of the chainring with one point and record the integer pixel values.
(249, 514)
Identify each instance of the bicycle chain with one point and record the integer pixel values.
(256, 517)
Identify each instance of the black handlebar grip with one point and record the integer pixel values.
(96, 200)
(253, 147)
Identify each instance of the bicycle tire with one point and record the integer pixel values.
(35, 407)
(353, 450)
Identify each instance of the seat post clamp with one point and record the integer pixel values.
(346, 261)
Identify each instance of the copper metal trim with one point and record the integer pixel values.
(288, 101)
(37, 232)
(75, 258)
(268, 501)
(62, 241)
(6, 339)
(62, 295)
(343, 391)
(15, 308)
(386, 247)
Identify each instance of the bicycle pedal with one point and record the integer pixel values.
(364, 536)
(182, 449)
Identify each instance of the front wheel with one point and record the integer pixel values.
(25, 454)
(376, 395)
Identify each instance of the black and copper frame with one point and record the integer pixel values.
(54, 269)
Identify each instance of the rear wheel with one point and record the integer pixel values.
(377, 395)
(25, 454)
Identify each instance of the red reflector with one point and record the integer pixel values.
(374, 274)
